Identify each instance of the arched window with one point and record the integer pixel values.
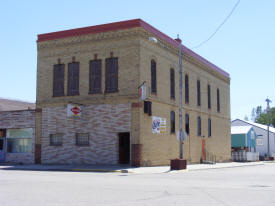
(187, 123)
(218, 101)
(173, 122)
(209, 128)
(198, 93)
(186, 82)
(153, 77)
(199, 126)
(172, 84)
(209, 96)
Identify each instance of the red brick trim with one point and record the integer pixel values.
(136, 105)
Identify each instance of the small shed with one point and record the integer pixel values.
(243, 137)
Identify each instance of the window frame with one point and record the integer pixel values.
(209, 96)
(78, 143)
(172, 122)
(95, 76)
(58, 80)
(198, 93)
(153, 76)
(56, 143)
(209, 127)
(187, 124)
(111, 75)
(73, 79)
(199, 126)
(186, 84)
(172, 84)
(218, 101)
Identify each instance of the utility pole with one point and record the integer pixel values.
(180, 99)
(267, 111)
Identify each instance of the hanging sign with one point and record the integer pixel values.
(74, 110)
(142, 92)
(158, 125)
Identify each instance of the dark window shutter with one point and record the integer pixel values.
(58, 80)
(95, 77)
(172, 84)
(186, 89)
(111, 75)
(148, 107)
(209, 96)
(153, 77)
(198, 93)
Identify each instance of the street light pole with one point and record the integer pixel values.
(180, 100)
(267, 111)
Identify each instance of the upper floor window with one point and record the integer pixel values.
(218, 101)
(95, 77)
(73, 79)
(56, 139)
(82, 139)
(198, 93)
(172, 84)
(111, 75)
(187, 124)
(209, 128)
(153, 77)
(199, 125)
(186, 82)
(209, 96)
(173, 122)
(58, 80)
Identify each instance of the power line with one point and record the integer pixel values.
(228, 16)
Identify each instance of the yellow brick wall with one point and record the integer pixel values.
(134, 52)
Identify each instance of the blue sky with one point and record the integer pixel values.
(244, 46)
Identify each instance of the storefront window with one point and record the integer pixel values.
(19, 140)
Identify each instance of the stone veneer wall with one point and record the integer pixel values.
(103, 122)
(19, 120)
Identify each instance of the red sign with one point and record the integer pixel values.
(76, 110)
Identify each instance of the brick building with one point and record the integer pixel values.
(88, 105)
(17, 131)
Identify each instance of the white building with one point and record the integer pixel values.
(261, 131)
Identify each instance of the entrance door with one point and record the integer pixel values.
(2, 149)
(124, 148)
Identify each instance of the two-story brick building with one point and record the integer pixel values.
(88, 105)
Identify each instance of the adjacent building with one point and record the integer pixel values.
(262, 140)
(17, 131)
(89, 109)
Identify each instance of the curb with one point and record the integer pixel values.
(226, 167)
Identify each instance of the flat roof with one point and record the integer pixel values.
(15, 105)
(127, 25)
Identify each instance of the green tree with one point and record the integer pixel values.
(261, 116)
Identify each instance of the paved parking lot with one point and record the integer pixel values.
(251, 185)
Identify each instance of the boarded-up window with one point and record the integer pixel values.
(187, 123)
(153, 77)
(173, 122)
(199, 126)
(58, 80)
(172, 84)
(209, 96)
(198, 93)
(111, 75)
(95, 77)
(218, 101)
(186, 89)
(73, 79)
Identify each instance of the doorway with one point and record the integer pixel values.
(124, 148)
(2, 145)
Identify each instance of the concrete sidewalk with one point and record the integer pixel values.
(127, 169)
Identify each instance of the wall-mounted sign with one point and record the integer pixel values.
(158, 125)
(74, 110)
(142, 92)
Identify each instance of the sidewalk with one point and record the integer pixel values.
(126, 169)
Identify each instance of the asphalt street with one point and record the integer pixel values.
(251, 185)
